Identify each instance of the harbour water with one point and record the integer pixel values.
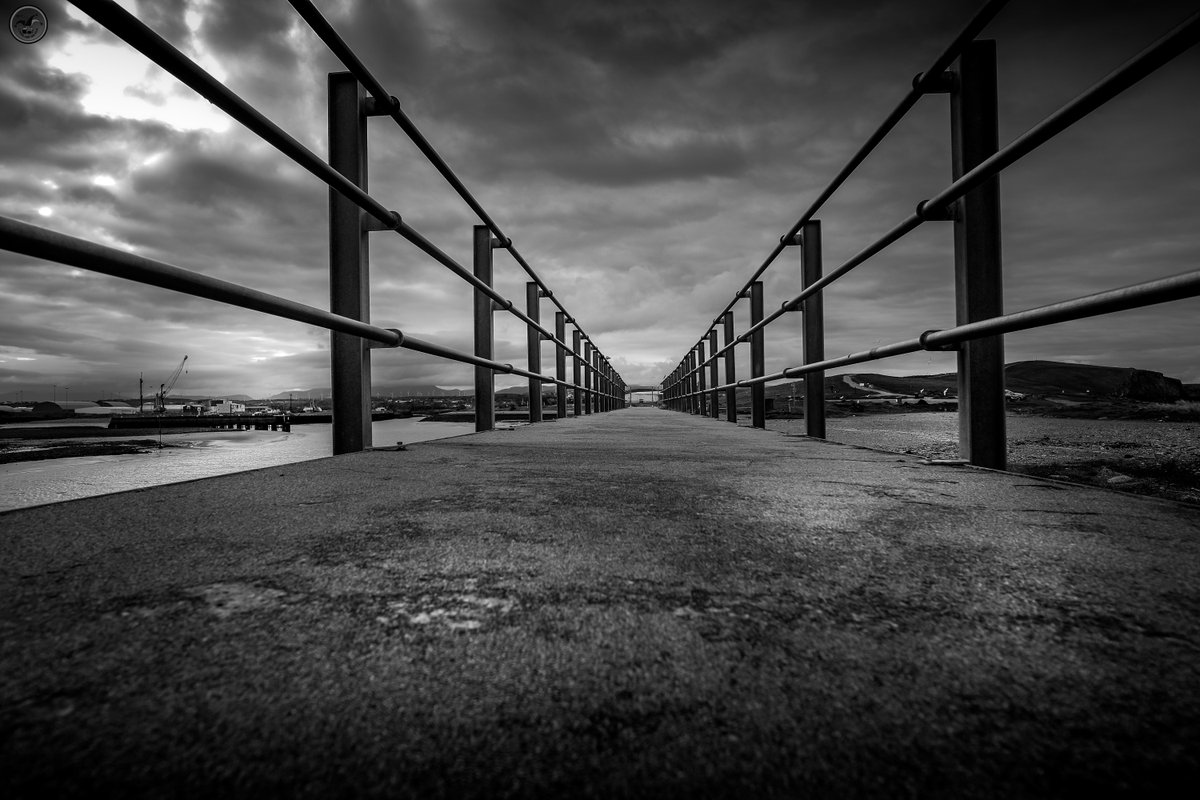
(190, 456)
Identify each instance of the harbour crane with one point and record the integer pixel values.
(160, 399)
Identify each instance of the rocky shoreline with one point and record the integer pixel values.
(42, 452)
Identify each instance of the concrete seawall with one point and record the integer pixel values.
(632, 604)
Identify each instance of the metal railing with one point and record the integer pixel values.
(353, 97)
(972, 203)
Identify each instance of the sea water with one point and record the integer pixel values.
(189, 456)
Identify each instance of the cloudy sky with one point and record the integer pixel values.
(645, 158)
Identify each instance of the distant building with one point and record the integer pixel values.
(225, 407)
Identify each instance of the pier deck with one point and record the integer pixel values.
(638, 603)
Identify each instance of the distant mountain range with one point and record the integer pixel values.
(1025, 377)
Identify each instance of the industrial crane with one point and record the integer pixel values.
(160, 399)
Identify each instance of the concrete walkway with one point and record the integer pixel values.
(633, 604)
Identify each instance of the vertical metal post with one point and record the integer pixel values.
(605, 389)
(560, 362)
(577, 379)
(595, 380)
(485, 379)
(599, 383)
(974, 131)
(587, 377)
(349, 287)
(694, 366)
(533, 304)
(814, 330)
(701, 384)
(714, 409)
(730, 370)
(758, 361)
(689, 386)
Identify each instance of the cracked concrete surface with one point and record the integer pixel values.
(634, 604)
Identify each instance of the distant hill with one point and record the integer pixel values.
(1037, 378)
(1026, 377)
(385, 390)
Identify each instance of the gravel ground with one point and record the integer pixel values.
(1161, 459)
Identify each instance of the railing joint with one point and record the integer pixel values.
(501, 244)
(371, 223)
(944, 213)
(373, 107)
(924, 340)
(377, 345)
(507, 305)
(545, 293)
(937, 84)
(795, 240)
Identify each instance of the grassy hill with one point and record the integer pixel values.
(1034, 378)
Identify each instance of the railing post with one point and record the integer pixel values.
(701, 385)
(577, 378)
(758, 361)
(713, 379)
(485, 379)
(587, 377)
(693, 398)
(349, 288)
(595, 380)
(814, 330)
(533, 303)
(689, 383)
(730, 370)
(606, 382)
(977, 262)
(600, 387)
(609, 386)
(560, 363)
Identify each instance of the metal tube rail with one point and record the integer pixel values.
(31, 240)
(1137, 295)
(1151, 58)
(139, 36)
(921, 85)
(1162, 290)
(436, 253)
(326, 33)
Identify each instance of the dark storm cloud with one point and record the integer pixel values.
(645, 157)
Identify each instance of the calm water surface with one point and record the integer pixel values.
(189, 456)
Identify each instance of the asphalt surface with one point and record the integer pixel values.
(633, 604)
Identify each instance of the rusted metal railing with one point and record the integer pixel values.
(971, 202)
(354, 96)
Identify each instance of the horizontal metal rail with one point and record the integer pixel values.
(1138, 295)
(921, 86)
(385, 100)
(32, 240)
(1153, 57)
(139, 36)
(1150, 59)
